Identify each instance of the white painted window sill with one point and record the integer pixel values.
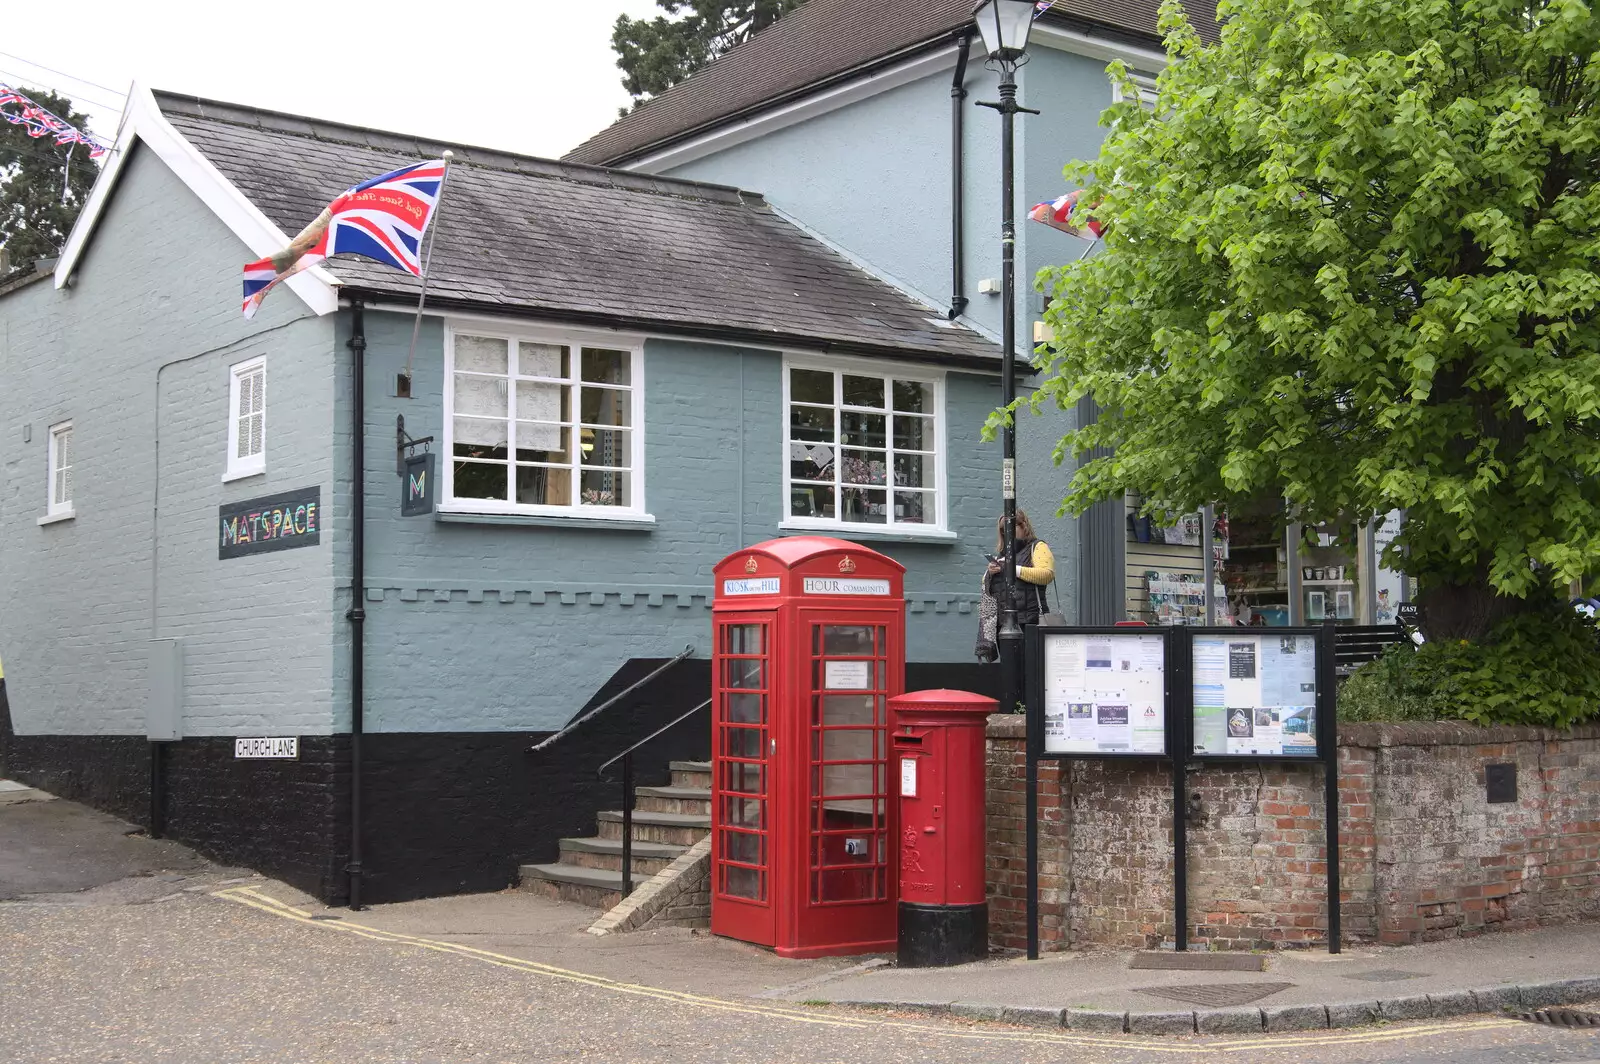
(630, 522)
(240, 474)
(64, 515)
(900, 534)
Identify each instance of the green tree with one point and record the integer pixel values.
(655, 54)
(1351, 261)
(34, 217)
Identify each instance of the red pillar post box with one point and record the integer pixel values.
(940, 771)
(809, 648)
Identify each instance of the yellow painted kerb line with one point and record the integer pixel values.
(256, 899)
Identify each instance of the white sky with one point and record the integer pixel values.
(531, 76)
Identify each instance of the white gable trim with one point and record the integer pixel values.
(863, 88)
(143, 121)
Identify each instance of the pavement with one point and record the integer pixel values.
(159, 956)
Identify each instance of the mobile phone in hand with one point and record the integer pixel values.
(992, 559)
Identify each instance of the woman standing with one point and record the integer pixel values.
(1036, 570)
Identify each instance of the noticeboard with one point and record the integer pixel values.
(1101, 692)
(1255, 694)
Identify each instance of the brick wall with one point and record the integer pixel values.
(1424, 854)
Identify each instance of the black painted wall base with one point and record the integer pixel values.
(938, 936)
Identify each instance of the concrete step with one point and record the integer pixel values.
(585, 886)
(648, 857)
(691, 774)
(695, 800)
(675, 829)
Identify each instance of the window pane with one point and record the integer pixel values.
(537, 401)
(480, 480)
(811, 423)
(745, 709)
(811, 386)
(247, 384)
(242, 449)
(745, 812)
(258, 391)
(864, 467)
(863, 391)
(742, 639)
(742, 846)
(604, 489)
(913, 508)
(603, 406)
(481, 396)
(481, 354)
(744, 883)
(602, 447)
(257, 427)
(477, 437)
(865, 505)
(810, 461)
(909, 470)
(912, 396)
(746, 779)
(847, 710)
(538, 442)
(811, 501)
(846, 884)
(606, 367)
(863, 430)
(833, 780)
(544, 486)
(744, 673)
(743, 742)
(913, 433)
(847, 640)
(541, 360)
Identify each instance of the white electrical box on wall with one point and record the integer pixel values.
(989, 287)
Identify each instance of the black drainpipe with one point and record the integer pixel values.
(357, 615)
(958, 258)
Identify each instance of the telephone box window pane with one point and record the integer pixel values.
(834, 780)
(743, 812)
(743, 742)
(740, 846)
(847, 709)
(849, 744)
(745, 779)
(745, 674)
(742, 639)
(847, 639)
(745, 709)
(744, 882)
(846, 884)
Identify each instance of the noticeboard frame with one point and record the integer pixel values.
(1036, 635)
(1326, 700)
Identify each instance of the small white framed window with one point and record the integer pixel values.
(863, 448)
(59, 468)
(1146, 84)
(247, 419)
(543, 423)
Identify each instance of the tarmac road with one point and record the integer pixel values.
(118, 949)
(197, 976)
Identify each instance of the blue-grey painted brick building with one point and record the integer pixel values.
(626, 374)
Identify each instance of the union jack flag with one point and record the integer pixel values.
(383, 219)
(1042, 6)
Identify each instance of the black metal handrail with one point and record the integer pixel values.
(626, 757)
(688, 652)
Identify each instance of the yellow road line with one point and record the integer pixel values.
(256, 899)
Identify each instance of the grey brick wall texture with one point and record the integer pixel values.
(136, 350)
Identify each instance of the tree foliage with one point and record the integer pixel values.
(1352, 262)
(34, 217)
(655, 54)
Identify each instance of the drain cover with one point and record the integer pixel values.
(1201, 962)
(1385, 975)
(1217, 995)
(1561, 1018)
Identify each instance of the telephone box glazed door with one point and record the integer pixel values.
(742, 787)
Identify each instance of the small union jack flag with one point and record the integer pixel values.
(1042, 6)
(383, 219)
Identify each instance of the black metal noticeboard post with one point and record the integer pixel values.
(1188, 695)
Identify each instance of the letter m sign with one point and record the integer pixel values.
(417, 485)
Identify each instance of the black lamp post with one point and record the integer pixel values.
(1005, 25)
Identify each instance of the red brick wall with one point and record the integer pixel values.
(1424, 855)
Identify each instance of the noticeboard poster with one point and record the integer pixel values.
(1255, 695)
(1105, 694)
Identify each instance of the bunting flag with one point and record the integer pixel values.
(39, 123)
(1042, 6)
(383, 219)
(1068, 215)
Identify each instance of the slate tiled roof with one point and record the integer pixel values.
(579, 243)
(827, 39)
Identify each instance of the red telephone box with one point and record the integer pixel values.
(810, 647)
